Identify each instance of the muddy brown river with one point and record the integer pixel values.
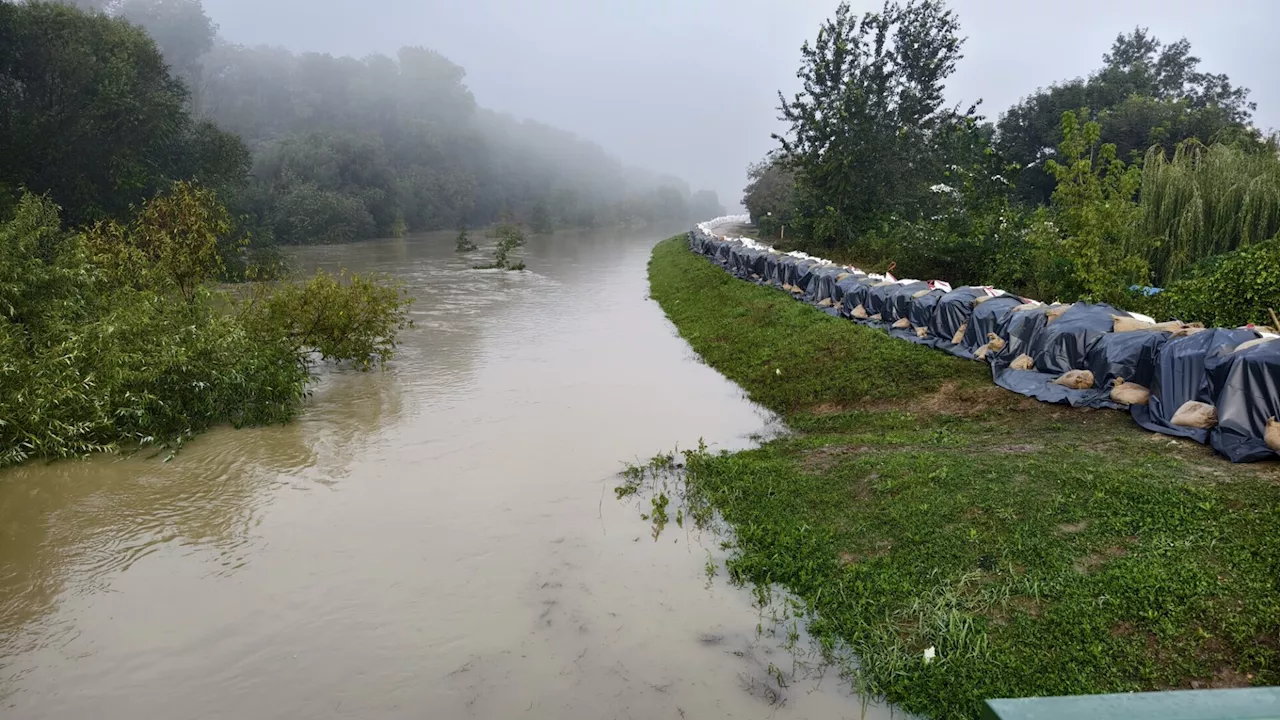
(438, 539)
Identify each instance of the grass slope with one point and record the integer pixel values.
(1041, 550)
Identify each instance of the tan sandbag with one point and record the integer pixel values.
(786, 286)
(1252, 343)
(841, 276)
(860, 312)
(797, 290)
(1170, 326)
(981, 352)
(902, 324)
(922, 332)
(1055, 312)
(919, 294)
(1186, 331)
(1027, 306)
(826, 303)
(1127, 393)
(981, 299)
(877, 317)
(1076, 379)
(1272, 436)
(1023, 362)
(1121, 324)
(996, 342)
(959, 336)
(1194, 414)
(755, 276)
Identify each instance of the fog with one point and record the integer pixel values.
(690, 87)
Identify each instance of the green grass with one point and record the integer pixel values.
(1041, 550)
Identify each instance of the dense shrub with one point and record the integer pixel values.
(1229, 290)
(115, 338)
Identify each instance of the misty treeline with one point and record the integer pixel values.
(115, 329)
(1149, 172)
(106, 103)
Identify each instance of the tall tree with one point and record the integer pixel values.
(91, 115)
(1146, 93)
(868, 129)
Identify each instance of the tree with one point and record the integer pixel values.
(180, 28)
(94, 119)
(770, 195)
(868, 128)
(540, 221)
(1147, 93)
(704, 205)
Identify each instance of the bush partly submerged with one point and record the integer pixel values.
(113, 337)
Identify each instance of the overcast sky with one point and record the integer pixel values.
(689, 86)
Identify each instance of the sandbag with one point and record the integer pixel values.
(1127, 393)
(825, 302)
(1253, 343)
(1053, 312)
(901, 324)
(860, 312)
(951, 313)
(1130, 355)
(1245, 387)
(898, 300)
(1075, 380)
(1022, 362)
(875, 317)
(922, 332)
(1195, 414)
(955, 339)
(1181, 373)
(1064, 344)
(1272, 437)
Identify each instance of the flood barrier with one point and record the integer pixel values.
(1033, 347)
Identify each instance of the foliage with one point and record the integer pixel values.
(1205, 201)
(869, 133)
(92, 117)
(114, 338)
(346, 318)
(1229, 290)
(463, 243)
(540, 221)
(1027, 545)
(1088, 245)
(770, 195)
(510, 236)
(172, 243)
(1147, 93)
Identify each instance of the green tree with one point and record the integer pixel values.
(1090, 246)
(463, 243)
(1147, 93)
(540, 221)
(868, 129)
(92, 116)
(770, 194)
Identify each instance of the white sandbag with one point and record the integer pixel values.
(1127, 393)
(1194, 414)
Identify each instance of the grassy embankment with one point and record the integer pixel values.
(1041, 550)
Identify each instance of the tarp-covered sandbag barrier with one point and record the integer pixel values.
(1245, 385)
(951, 316)
(1216, 386)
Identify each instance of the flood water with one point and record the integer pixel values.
(438, 539)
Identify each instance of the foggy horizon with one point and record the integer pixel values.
(692, 90)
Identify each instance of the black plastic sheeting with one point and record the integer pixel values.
(1181, 374)
(952, 311)
(1243, 386)
(1246, 390)
(989, 316)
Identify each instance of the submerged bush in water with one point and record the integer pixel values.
(114, 338)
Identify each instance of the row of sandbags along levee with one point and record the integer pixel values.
(1213, 385)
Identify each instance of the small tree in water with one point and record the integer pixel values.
(464, 243)
(510, 236)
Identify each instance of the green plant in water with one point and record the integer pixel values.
(463, 243)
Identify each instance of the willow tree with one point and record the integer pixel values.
(1205, 201)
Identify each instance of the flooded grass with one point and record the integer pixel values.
(965, 543)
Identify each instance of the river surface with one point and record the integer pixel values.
(438, 539)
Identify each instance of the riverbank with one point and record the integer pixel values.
(1038, 550)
